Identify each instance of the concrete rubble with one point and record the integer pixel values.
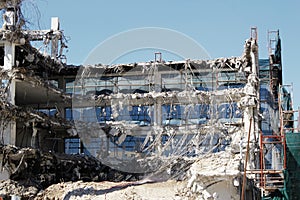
(38, 170)
(45, 169)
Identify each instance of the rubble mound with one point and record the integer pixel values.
(32, 167)
(46, 175)
(10, 187)
(111, 190)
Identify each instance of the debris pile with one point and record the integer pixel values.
(195, 176)
(215, 176)
(41, 169)
(110, 190)
(24, 189)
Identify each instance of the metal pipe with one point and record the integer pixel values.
(261, 160)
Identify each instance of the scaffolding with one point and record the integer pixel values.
(274, 47)
(273, 175)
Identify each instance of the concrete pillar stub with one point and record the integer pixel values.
(9, 55)
(9, 63)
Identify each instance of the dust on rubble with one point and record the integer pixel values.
(111, 190)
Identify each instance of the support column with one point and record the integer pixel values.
(158, 103)
(55, 39)
(62, 86)
(35, 137)
(9, 55)
(157, 113)
(9, 63)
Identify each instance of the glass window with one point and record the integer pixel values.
(69, 85)
(133, 84)
(103, 114)
(49, 112)
(172, 82)
(131, 143)
(72, 146)
(203, 81)
(69, 114)
(171, 115)
(185, 114)
(229, 111)
(140, 115)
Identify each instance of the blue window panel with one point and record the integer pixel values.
(224, 111)
(136, 114)
(49, 112)
(201, 88)
(69, 114)
(131, 143)
(264, 64)
(103, 114)
(265, 93)
(45, 111)
(262, 108)
(171, 112)
(76, 113)
(171, 115)
(123, 114)
(72, 146)
(237, 113)
(265, 126)
(164, 138)
(140, 113)
(204, 111)
(228, 111)
(52, 112)
(89, 114)
(181, 114)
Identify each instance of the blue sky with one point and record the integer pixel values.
(220, 26)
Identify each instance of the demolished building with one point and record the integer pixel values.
(223, 126)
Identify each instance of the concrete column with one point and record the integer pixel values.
(157, 113)
(35, 137)
(62, 84)
(9, 55)
(9, 63)
(55, 39)
(158, 103)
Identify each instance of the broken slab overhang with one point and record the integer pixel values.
(30, 58)
(11, 112)
(235, 63)
(165, 98)
(33, 90)
(232, 64)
